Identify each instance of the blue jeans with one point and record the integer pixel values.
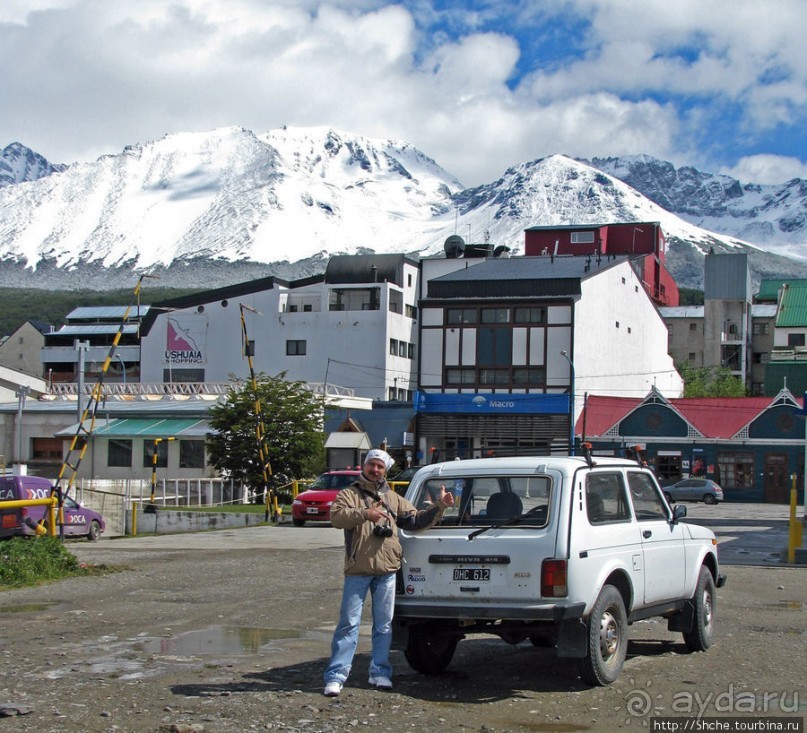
(346, 635)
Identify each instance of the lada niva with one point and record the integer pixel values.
(564, 551)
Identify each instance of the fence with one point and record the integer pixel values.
(113, 498)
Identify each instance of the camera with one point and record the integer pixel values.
(382, 530)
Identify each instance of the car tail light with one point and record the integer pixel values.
(553, 579)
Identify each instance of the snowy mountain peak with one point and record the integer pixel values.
(233, 196)
(19, 164)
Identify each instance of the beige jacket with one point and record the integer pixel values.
(366, 553)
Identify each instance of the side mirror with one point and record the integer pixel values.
(679, 512)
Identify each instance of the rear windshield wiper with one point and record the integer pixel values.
(505, 523)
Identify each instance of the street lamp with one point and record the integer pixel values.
(122, 365)
(565, 355)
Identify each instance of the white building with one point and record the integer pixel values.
(354, 327)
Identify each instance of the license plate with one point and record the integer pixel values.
(471, 573)
(312, 510)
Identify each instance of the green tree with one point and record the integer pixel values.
(294, 441)
(710, 382)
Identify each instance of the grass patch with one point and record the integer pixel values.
(25, 561)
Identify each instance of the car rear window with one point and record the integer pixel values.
(491, 499)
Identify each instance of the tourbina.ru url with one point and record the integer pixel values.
(785, 724)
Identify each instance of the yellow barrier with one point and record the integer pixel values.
(794, 539)
(51, 503)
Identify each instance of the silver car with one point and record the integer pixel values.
(694, 489)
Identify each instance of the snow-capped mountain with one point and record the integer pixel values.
(773, 217)
(18, 164)
(228, 199)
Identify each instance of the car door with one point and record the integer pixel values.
(662, 541)
(75, 521)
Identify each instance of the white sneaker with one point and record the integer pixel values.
(332, 689)
(381, 683)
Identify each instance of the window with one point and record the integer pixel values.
(402, 348)
(46, 449)
(795, 339)
(191, 453)
(606, 501)
(411, 311)
(647, 502)
(396, 301)
(494, 347)
(393, 347)
(735, 470)
(456, 316)
(495, 315)
(119, 453)
(293, 309)
(529, 315)
(691, 356)
(148, 454)
(693, 326)
(582, 238)
(307, 308)
(460, 376)
(410, 351)
(490, 377)
(761, 329)
(360, 299)
(295, 347)
(528, 376)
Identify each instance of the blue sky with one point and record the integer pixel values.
(477, 85)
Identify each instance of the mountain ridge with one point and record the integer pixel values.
(235, 202)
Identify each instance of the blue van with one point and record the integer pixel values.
(28, 521)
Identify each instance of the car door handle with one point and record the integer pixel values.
(647, 533)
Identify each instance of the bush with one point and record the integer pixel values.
(25, 561)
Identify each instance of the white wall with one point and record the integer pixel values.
(624, 360)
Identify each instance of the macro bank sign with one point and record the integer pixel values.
(492, 404)
(186, 340)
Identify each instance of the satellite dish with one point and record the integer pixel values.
(454, 246)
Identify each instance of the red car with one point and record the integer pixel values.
(314, 504)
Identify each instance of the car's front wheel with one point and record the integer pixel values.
(709, 499)
(702, 634)
(607, 639)
(95, 531)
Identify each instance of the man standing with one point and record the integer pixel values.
(370, 515)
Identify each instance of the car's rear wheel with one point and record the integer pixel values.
(709, 499)
(700, 638)
(607, 639)
(428, 651)
(95, 531)
(298, 522)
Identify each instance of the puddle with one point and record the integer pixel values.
(26, 608)
(217, 640)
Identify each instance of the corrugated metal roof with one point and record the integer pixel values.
(769, 289)
(793, 306)
(93, 329)
(145, 428)
(681, 311)
(108, 312)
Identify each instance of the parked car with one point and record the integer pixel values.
(79, 521)
(694, 489)
(566, 552)
(314, 504)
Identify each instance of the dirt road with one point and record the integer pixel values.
(231, 633)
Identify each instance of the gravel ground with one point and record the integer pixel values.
(236, 640)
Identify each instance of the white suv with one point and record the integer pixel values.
(566, 552)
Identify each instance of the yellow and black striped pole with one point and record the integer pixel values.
(260, 429)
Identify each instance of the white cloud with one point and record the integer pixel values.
(91, 76)
(770, 169)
